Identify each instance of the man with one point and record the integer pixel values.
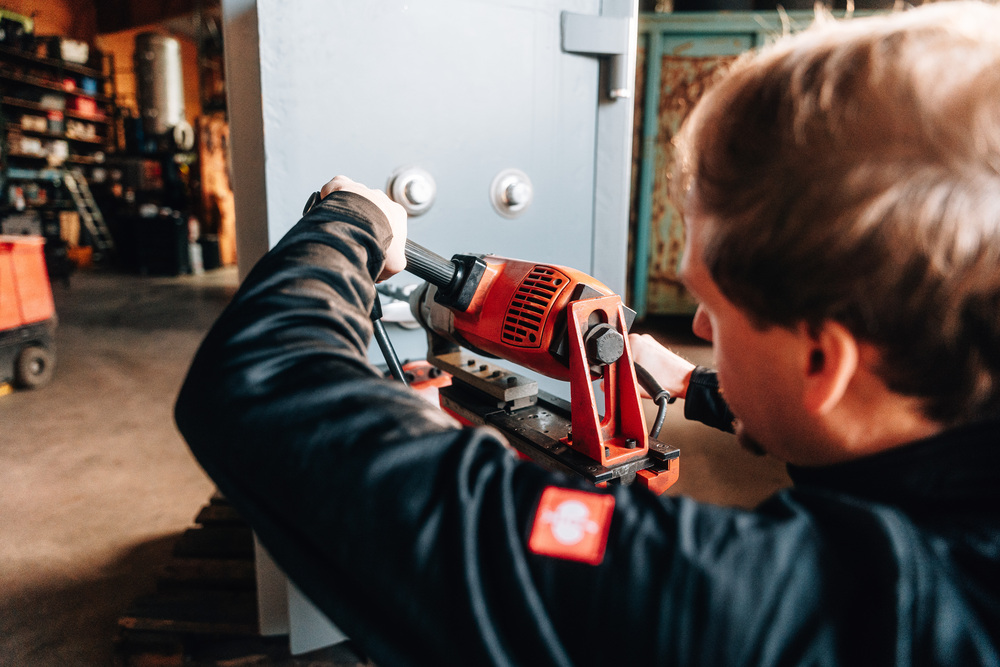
(843, 218)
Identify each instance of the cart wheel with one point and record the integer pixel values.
(35, 366)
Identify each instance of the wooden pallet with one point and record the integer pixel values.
(204, 609)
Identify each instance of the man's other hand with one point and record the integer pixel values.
(395, 256)
(670, 370)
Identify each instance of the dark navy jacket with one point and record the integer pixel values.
(416, 537)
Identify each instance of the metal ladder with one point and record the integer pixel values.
(90, 214)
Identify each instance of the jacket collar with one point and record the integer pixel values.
(957, 466)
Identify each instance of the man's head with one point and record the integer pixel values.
(851, 175)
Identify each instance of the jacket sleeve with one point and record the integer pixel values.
(704, 402)
(411, 534)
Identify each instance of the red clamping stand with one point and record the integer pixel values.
(621, 434)
(565, 325)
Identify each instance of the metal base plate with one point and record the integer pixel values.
(536, 431)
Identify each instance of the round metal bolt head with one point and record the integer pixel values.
(605, 345)
(418, 191)
(517, 193)
(413, 189)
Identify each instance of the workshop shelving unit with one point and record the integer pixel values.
(55, 116)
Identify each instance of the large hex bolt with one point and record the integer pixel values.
(604, 344)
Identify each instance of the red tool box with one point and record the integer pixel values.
(27, 314)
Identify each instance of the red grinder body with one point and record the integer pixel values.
(517, 313)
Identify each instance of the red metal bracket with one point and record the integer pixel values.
(620, 435)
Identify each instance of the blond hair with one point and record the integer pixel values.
(852, 173)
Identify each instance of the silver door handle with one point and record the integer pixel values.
(603, 36)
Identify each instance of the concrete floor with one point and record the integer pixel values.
(96, 483)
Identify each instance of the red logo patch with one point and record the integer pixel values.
(572, 524)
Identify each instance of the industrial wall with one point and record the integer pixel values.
(76, 19)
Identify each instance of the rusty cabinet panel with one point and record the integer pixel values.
(683, 80)
(678, 57)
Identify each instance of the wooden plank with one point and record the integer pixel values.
(223, 541)
(149, 649)
(194, 612)
(204, 611)
(208, 573)
(153, 649)
(219, 514)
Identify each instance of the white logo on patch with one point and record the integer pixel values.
(569, 522)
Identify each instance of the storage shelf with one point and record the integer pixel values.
(73, 159)
(48, 178)
(84, 159)
(56, 64)
(35, 106)
(26, 156)
(25, 80)
(54, 135)
(45, 84)
(63, 206)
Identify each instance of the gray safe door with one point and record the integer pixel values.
(497, 115)
(508, 124)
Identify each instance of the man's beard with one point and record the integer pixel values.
(746, 441)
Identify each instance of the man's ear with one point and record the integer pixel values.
(832, 362)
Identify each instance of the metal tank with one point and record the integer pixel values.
(159, 82)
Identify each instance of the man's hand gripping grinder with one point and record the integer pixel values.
(558, 322)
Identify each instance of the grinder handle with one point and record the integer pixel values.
(428, 265)
(420, 261)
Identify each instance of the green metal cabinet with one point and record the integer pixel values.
(678, 55)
